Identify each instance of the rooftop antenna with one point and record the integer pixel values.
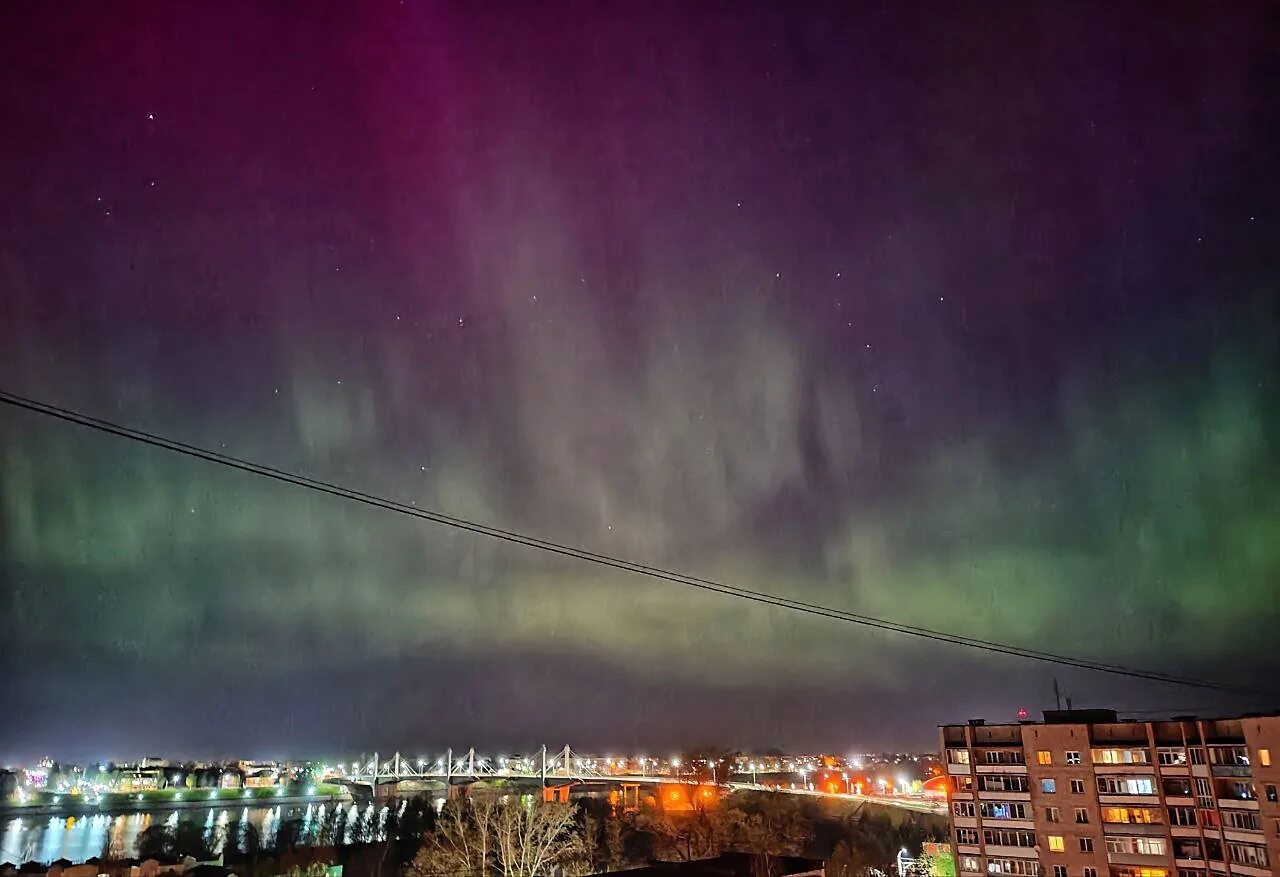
(1057, 694)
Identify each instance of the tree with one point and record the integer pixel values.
(941, 863)
(709, 763)
(511, 837)
(413, 827)
(535, 838)
(170, 842)
(462, 842)
(603, 843)
(847, 861)
(774, 827)
(702, 834)
(242, 841)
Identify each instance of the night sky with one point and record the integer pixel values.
(962, 317)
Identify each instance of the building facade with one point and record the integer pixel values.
(1083, 794)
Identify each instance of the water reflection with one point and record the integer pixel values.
(115, 835)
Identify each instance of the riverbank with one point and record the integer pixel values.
(76, 805)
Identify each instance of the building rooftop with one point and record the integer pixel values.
(1104, 717)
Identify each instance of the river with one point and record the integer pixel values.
(46, 838)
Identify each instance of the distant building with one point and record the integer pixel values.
(1083, 794)
(140, 780)
(260, 779)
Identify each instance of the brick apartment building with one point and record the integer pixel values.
(1083, 794)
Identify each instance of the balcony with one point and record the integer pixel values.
(1231, 770)
(1004, 852)
(1151, 829)
(1250, 870)
(1238, 803)
(1137, 859)
(1002, 768)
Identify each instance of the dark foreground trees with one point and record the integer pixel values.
(504, 836)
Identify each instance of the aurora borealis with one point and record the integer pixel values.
(967, 320)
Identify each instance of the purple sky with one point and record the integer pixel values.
(962, 318)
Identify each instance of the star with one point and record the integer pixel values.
(151, 117)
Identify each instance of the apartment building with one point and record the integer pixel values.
(1083, 794)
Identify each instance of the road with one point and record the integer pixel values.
(918, 805)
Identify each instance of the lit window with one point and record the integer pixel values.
(1057, 844)
(1044, 756)
(1048, 786)
(1264, 757)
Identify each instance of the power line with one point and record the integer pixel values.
(121, 431)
